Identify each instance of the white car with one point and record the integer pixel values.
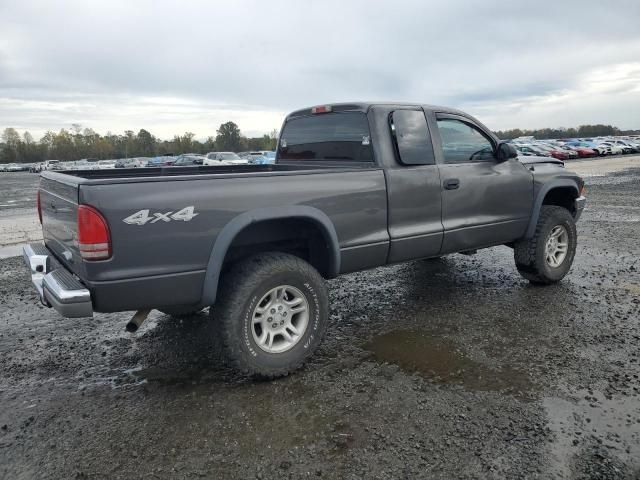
(612, 148)
(49, 165)
(106, 164)
(136, 162)
(223, 158)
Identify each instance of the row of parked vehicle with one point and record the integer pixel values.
(565, 149)
(262, 157)
(569, 149)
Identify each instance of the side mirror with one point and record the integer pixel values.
(506, 151)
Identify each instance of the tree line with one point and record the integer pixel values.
(583, 131)
(77, 143)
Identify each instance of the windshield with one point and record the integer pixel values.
(229, 156)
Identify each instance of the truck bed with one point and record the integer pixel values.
(208, 171)
(154, 256)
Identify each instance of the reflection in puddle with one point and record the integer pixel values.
(439, 360)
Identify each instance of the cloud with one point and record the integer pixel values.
(176, 66)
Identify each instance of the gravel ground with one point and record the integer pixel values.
(451, 368)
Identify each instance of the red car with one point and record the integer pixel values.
(584, 152)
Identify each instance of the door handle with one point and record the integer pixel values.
(451, 184)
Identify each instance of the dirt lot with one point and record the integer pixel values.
(451, 368)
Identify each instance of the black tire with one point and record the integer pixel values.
(530, 254)
(242, 288)
(180, 312)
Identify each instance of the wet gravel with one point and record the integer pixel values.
(450, 368)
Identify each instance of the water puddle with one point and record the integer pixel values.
(439, 360)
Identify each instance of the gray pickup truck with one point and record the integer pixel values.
(354, 186)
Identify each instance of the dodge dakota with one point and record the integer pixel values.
(354, 186)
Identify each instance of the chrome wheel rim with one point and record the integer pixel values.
(557, 246)
(280, 319)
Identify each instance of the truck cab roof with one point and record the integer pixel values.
(365, 106)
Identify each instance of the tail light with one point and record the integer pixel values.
(94, 239)
(39, 206)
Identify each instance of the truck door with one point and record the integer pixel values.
(484, 202)
(413, 184)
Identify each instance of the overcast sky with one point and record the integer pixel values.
(179, 66)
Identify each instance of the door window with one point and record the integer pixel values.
(463, 143)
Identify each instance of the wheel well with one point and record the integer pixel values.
(301, 237)
(562, 197)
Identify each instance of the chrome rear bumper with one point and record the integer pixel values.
(55, 285)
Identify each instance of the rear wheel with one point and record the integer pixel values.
(271, 314)
(547, 257)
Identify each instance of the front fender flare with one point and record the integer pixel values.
(537, 204)
(234, 227)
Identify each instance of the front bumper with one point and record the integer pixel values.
(580, 201)
(55, 285)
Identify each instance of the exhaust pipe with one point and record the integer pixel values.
(137, 320)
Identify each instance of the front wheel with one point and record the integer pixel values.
(271, 314)
(546, 257)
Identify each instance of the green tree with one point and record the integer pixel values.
(228, 137)
(146, 143)
(11, 139)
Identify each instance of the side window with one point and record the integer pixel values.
(463, 143)
(411, 136)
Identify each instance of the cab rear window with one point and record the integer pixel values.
(331, 137)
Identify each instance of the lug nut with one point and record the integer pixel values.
(273, 310)
(270, 319)
(274, 325)
(284, 314)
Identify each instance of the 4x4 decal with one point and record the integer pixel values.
(143, 217)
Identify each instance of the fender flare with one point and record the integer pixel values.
(234, 227)
(537, 204)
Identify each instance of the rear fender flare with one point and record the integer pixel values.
(234, 227)
(537, 204)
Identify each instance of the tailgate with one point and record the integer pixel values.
(59, 205)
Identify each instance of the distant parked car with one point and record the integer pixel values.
(85, 164)
(50, 165)
(626, 146)
(268, 158)
(188, 160)
(583, 152)
(160, 161)
(224, 158)
(531, 151)
(555, 152)
(255, 155)
(600, 151)
(138, 162)
(613, 148)
(106, 164)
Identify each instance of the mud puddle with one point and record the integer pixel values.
(441, 361)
